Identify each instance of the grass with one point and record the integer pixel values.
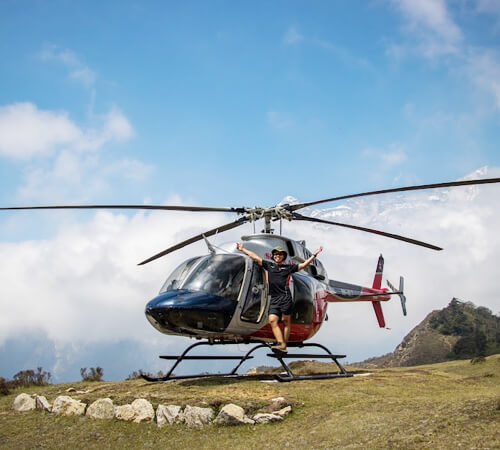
(447, 405)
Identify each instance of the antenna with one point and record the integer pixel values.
(211, 249)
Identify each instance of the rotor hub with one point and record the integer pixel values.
(277, 212)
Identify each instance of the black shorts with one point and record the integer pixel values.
(281, 306)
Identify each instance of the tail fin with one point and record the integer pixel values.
(377, 279)
(377, 284)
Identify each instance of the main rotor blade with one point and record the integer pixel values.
(401, 189)
(297, 216)
(196, 238)
(153, 207)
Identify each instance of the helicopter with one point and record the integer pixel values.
(221, 298)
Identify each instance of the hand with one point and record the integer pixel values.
(319, 250)
(239, 246)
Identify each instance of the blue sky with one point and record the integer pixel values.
(228, 104)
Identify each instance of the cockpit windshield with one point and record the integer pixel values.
(220, 275)
(177, 276)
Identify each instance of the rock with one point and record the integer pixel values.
(266, 418)
(68, 407)
(42, 403)
(124, 412)
(478, 360)
(143, 410)
(232, 415)
(72, 389)
(259, 369)
(168, 415)
(278, 403)
(196, 417)
(24, 402)
(102, 408)
(283, 412)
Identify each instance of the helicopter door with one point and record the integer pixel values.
(255, 303)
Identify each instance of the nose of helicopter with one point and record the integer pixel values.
(185, 311)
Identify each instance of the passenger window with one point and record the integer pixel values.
(303, 305)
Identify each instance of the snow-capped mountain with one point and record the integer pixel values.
(392, 208)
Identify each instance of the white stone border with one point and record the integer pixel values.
(141, 410)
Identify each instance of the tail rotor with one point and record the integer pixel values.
(399, 292)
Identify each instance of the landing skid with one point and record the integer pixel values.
(290, 376)
(320, 376)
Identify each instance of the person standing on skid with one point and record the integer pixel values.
(280, 306)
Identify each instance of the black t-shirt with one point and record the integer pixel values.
(278, 277)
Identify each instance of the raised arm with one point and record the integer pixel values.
(310, 259)
(249, 253)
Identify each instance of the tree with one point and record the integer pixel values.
(94, 374)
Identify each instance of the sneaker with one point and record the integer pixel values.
(279, 348)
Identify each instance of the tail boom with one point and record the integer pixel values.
(344, 292)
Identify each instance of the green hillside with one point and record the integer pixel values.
(446, 405)
(477, 328)
(461, 330)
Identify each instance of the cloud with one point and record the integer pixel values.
(77, 69)
(61, 160)
(117, 127)
(114, 127)
(483, 67)
(73, 176)
(78, 177)
(488, 6)
(131, 169)
(430, 22)
(292, 36)
(433, 34)
(25, 131)
(394, 158)
(388, 158)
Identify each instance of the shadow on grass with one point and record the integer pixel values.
(221, 380)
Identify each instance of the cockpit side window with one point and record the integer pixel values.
(310, 269)
(255, 303)
(220, 275)
(177, 277)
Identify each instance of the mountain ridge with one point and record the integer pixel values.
(459, 331)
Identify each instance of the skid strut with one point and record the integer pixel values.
(279, 356)
(184, 356)
(342, 373)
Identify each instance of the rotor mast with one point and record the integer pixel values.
(267, 224)
(272, 213)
